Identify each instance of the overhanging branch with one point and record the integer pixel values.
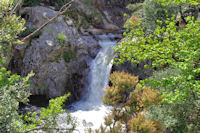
(62, 10)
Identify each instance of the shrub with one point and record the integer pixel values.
(151, 11)
(129, 99)
(13, 89)
(181, 117)
(141, 124)
(145, 97)
(122, 83)
(47, 119)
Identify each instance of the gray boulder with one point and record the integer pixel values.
(59, 68)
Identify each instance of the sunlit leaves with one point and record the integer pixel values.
(47, 118)
(170, 46)
(13, 89)
(178, 2)
(10, 27)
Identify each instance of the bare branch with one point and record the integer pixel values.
(43, 128)
(66, 6)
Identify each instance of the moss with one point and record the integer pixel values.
(69, 55)
(57, 58)
(61, 38)
(73, 13)
(40, 87)
(28, 44)
(31, 3)
(28, 31)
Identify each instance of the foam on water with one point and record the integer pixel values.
(90, 112)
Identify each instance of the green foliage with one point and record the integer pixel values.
(167, 46)
(158, 76)
(61, 38)
(150, 12)
(174, 49)
(10, 27)
(181, 117)
(31, 3)
(58, 3)
(153, 11)
(28, 31)
(69, 55)
(179, 2)
(178, 117)
(13, 89)
(137, 9)
(47, 119)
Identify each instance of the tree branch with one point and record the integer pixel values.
(43, 128)
(66, 6)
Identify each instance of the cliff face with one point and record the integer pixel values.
(62, 66)
(113, 10)
(57, 65)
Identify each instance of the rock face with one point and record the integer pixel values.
(62, 66)
(113, 10)
(59, 67)
(135, 69)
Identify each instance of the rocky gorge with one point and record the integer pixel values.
(99, 66)
(62, 67)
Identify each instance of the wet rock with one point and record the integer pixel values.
(135, 69)
(46, 56)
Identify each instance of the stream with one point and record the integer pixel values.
(90, 111)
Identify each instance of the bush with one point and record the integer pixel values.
(181, 117)
(150, 11)
(153, 11)
(122, 83)
(13, 89)
(129, 99)
(47, 119)
(141, 124)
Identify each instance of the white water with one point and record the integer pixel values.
(90, 112)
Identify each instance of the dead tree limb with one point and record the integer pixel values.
(61, 12)
(42, 128)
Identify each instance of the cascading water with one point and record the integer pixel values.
(90, 112)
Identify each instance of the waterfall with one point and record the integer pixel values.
(90, 112)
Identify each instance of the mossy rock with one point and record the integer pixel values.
(31, 3)
(69, 55)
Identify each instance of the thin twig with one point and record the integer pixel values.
(66, 6)
(43, 128)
